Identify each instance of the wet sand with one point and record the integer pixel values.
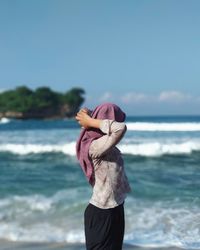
(11, 245)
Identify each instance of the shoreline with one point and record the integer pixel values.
(19, 245)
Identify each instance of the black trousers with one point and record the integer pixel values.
(104, 228)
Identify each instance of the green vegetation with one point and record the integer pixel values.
(41, 103)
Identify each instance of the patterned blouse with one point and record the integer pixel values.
(111, 183)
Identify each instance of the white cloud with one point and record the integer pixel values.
(170, 96)
(133, 97)
(173, 96)
(106, 97)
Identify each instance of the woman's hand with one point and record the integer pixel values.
(83, 118)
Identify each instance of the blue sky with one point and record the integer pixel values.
(142, 55)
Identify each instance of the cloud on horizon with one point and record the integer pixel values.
(170, 96)
(107, 96)
(166, 102)
(174, 96)
(133, 97)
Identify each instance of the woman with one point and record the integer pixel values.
(102, 164)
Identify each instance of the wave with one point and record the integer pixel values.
(42, 203)
(40, 218)
(140, 149)
(159, 149)
(4, 120)
(24, 149)
(163, 224)
(151, 126)
(59, 218)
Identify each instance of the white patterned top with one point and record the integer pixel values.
(111, 183)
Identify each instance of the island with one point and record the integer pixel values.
(41, 103)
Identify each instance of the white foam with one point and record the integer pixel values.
(153, 148)
(43, 219)
(148, 224)
(4, 120)
(38, 202)
(151, 126)
(163, 224)
(40, 232)
(24, 149)
(158, 148)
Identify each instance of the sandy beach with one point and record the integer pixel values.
(11, 245)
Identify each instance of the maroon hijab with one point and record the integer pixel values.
(104, 111)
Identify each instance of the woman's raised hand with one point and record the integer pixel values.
(83, 117)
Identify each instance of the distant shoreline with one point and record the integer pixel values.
(21, 116)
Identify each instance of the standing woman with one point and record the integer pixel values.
(102, 164)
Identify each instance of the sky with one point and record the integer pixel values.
(143, 55)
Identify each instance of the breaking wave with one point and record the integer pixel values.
(151, 126)
(136, 149)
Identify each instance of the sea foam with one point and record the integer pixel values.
(4, 120)
(153, 148)
(24, 149)
(158, 148)
(162, 224)
(148, 224)
(151, 126)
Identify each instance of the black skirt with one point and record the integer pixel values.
(104, 228)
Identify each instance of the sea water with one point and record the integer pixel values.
(43, 191)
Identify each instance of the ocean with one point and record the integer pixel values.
(43, 192)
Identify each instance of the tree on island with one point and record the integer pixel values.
(25, 103)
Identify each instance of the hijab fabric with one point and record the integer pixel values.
(104, 111)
